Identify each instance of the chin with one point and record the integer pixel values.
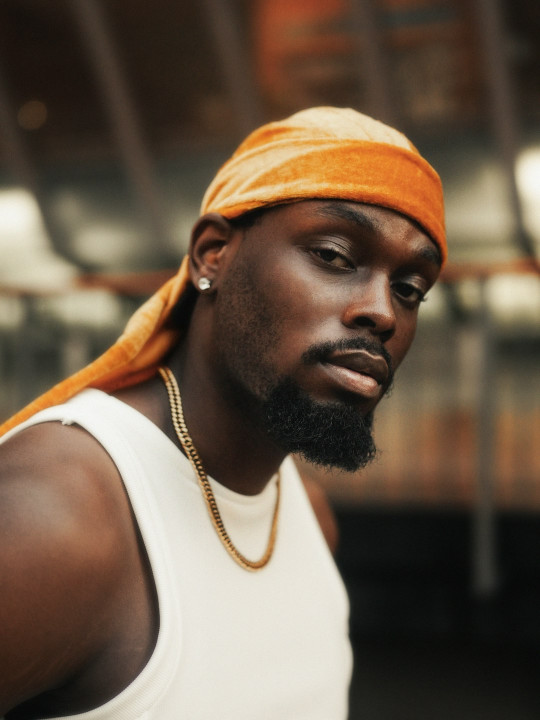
(331, 434)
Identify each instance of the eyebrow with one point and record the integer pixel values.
(341, 212)
(431, 253)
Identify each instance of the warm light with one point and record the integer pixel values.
(528, 174)
(528, 181)
(28, 259)
(112, 243)
(20, 216)
(515, 299)
(32, 115)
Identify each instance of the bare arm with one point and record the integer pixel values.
(60, 559)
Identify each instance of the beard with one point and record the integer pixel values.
(329, 434)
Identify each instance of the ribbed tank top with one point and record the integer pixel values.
(232, 645)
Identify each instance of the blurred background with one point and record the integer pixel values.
(114, 116)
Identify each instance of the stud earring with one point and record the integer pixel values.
(204, 284)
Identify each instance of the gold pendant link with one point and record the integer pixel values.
(180, 427)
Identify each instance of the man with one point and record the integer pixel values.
(159, 558)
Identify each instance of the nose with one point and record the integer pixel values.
(370, 305)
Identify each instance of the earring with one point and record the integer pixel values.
(204, 284)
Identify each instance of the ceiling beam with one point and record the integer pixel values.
(126, 127)
(503, 113)
(234, 62)
(373, 66)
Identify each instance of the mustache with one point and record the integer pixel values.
(322, 352)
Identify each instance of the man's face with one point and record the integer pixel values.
(315, 311)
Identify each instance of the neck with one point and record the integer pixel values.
(230, 441)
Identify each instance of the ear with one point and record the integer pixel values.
(210, 242)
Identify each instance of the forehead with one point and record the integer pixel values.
(360, 221)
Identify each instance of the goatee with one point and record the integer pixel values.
(329, 434)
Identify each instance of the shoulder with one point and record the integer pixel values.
(64, 527)
(54, 473)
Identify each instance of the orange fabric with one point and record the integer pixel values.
(317, 153)
(133, 357)
(330, 153)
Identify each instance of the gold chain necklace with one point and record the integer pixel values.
(177, 414)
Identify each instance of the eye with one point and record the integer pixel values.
(409, 293)
(333, 257)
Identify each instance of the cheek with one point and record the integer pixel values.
(306, 310)
(301, 294)
(270, 312)
(249, 326)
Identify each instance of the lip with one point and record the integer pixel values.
(359, 372)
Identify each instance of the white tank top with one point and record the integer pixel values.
(232, 645)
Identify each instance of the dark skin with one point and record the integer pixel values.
(78, 617)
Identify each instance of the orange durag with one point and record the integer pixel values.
(330, 153)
